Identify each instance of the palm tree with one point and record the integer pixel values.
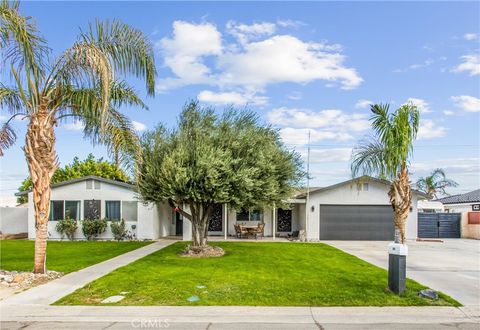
(387, 154)
(83, 83)
(434, 183)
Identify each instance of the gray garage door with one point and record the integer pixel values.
(356, 222)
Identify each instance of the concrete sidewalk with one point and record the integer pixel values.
(50, 292)
(233, 317)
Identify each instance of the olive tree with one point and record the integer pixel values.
(215, 158)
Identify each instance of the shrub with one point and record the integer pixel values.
(67, 227)
(119, 230)
(93, 228)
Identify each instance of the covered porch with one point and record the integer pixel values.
(278, 222)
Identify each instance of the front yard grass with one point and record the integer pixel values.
(252, 274)
(62, 256)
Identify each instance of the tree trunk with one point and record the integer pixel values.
(200, 218)
(401, 198)
(42, 162)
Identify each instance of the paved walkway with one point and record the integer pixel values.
(50, 292)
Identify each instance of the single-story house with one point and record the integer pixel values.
(356, 209)
(426, 206)
(467, 202)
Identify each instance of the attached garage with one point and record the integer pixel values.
(356, 222)
(357, 209)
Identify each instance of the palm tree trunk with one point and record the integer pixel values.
(400, 197)
(42, 162)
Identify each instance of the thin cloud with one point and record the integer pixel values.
(233, 98)
(421, 104)
(428, 129)
(363, 104)
(75, 126)
(138, 126)
(470, 64)
(466, 103)
(470, 36)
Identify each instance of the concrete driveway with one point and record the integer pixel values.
(452, 267)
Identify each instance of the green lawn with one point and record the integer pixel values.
(252, 274)
(62, 256)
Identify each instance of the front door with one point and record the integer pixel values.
(284, 221)
(178, 224)
(215, 224)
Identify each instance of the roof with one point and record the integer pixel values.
(84, 178)
(364, 177)
(470, 197)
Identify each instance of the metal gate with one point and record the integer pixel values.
(439, 225)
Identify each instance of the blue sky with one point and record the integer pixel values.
(301, 66)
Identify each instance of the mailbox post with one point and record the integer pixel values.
(397, 267)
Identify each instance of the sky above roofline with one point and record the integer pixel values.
(303, 67)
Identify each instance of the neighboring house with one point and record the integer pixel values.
(357, 209)
(13, 220)
(426, 206)
(462, 203)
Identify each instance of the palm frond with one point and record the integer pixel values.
(20, 41)
(119, 137)
(84, 66)
(7, 137)
(394, 133)
(88, 101)
(11, 99)
(129, 51)
(368, 158)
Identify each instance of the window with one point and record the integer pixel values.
(92, 209)
(242, 215)
(253, 215)
(256, 215)
(362, 186)
(89, 184)
(129, 210)
(72, 210)
(96, 184)
(112, 210)
(56, 210)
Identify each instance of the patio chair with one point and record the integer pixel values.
(260, 229)
(238, 230)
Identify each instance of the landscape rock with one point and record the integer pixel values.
(112, 299)
(25, 280)
(428, 293)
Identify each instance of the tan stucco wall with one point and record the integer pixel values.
(469, 230)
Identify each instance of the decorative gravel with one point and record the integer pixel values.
(25, 280)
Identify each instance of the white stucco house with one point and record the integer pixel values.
(93, 197)
(468, 202)
(356, 209)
